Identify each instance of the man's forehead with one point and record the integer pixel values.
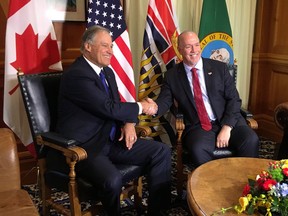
(191, 41)
(103, 37)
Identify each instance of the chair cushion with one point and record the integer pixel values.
(56, 179)
(57, 175)
(217, 154)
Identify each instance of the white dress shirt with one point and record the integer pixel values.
(200, 72)
(98, 70)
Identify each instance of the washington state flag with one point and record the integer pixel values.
(215, 32)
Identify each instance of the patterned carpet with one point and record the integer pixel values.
(268, 149)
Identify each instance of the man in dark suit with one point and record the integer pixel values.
(218, 122)
(90, 114)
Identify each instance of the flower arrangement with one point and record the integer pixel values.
(267, 194)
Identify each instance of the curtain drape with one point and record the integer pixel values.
(242, 19)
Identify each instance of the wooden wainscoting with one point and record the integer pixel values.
(270, 83)
(269, 80)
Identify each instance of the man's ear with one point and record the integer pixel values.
(87, 47)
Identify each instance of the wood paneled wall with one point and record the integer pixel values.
(269, 85)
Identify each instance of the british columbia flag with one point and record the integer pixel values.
(109, 14)
(158, 55)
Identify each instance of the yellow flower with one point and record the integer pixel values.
(285, 164)
(260, 196)
(249, 196)
(243, 201)
(268, 213)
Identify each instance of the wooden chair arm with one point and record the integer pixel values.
(252, 123)
(74, 153)
(249, 118)
(69, 148)
(143, 131)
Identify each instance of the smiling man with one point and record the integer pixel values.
(90, 111)
(206, 94)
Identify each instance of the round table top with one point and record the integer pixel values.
(219, 183)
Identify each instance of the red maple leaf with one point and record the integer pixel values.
(32, 59)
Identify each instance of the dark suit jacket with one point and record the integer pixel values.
(221, 91)
(85, 109)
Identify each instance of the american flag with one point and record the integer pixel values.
(109, 14)
(158, 55)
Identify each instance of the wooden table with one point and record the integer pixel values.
(219, 183)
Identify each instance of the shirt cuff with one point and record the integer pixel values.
(228, 126)
(140, 108)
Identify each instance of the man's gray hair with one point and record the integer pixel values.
(89, 34)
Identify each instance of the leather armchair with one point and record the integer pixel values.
(281, 120)
(14, 201)
(40, 95)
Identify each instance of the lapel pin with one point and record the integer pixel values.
(209, 73)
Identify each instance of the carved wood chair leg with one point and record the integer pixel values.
(179, 174)
(45, 195)
(140, 187)
(138, 196)
(45, 192)
(73, 192)
(179, 151)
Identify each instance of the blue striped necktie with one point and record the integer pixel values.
(103, 79)
(104, 82)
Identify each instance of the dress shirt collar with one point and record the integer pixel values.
(198, 66)
(95, 67)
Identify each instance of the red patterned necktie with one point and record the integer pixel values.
(202, 112)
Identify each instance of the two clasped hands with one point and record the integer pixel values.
(149, 107)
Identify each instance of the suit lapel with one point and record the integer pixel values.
(110, 78)
(208, 75)
(112, 83)
(185, 82)
(91, 72)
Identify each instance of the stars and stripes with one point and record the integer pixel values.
(109, 14)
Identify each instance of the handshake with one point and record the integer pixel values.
(149, 107)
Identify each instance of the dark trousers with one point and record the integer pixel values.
(99, 168)
(200, 144)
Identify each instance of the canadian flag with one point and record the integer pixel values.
(31, 46)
